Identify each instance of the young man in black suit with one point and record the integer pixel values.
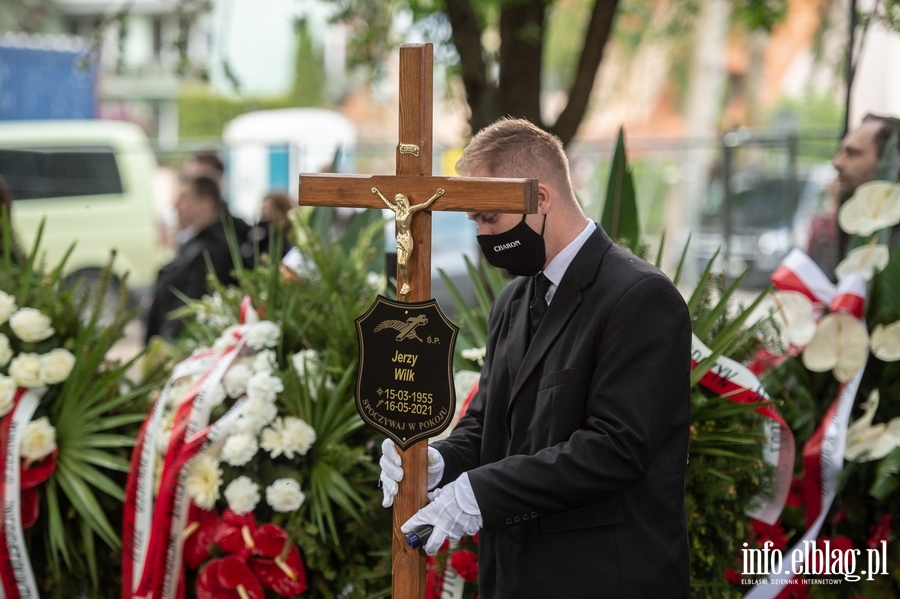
(570, 460)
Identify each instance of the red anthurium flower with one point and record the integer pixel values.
(198, 535)
(732, 576)
(278, 563)
(37, 472)
(765, 532)
(466, 564)
(839, 517)
(795, 495)
(228, 578)
(879, 532)
(235, 534)
(29, 507)
(31, 475)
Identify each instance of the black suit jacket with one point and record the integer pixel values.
(576, 444)
(187, 273)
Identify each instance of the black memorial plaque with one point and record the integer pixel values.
(405, 383)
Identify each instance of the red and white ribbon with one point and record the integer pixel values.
(16, 576)
(823, 454)
(140, 488)
(736, 382)
(798, 272)
(161, 558)
(153, 526)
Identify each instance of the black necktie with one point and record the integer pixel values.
(539, 301)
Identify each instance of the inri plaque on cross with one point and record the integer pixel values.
(411, 194)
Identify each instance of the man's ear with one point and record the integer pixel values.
(545, 198)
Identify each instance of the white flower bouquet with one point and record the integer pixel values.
(282, 496)
(66, 422)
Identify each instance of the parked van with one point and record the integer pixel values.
(91, 181)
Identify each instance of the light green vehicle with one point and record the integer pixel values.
(92, 184)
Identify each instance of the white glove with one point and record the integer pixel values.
(392, 470)
(454, 513)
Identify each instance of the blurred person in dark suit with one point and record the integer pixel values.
(201, 212)
(274, 223)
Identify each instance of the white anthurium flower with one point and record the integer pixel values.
(203, 481)
(867, 443)
(31, 325)
(7, 306)
(242, 495)
(841, 343)
(865, 260)
(794, 313)
(874, 206)
(886, 342)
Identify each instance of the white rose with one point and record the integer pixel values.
(284, 495)
(25, 369)
(239, 449)
(7, 394)
(235, 380)
(7, 306)
(203, 481)
(6, 353)
(56, 365)
(242, 495)
(265, 361)
(264, 386)
(38, 439)
(31, 325)
(264, 333)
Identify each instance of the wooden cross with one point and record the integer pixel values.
(421, 190)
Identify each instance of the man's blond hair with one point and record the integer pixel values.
(517, 148)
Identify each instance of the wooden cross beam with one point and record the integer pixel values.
(422, 193)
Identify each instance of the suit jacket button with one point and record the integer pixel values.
(517, 519)
(534, 514)
(509, 520)
(525, 517)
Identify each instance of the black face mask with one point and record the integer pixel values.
(520, 250)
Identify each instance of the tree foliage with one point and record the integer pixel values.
(500, 50)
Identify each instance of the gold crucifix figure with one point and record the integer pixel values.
(403, 213)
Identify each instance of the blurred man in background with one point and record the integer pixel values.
(861, 149)
(856, 163)
(201, 234)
